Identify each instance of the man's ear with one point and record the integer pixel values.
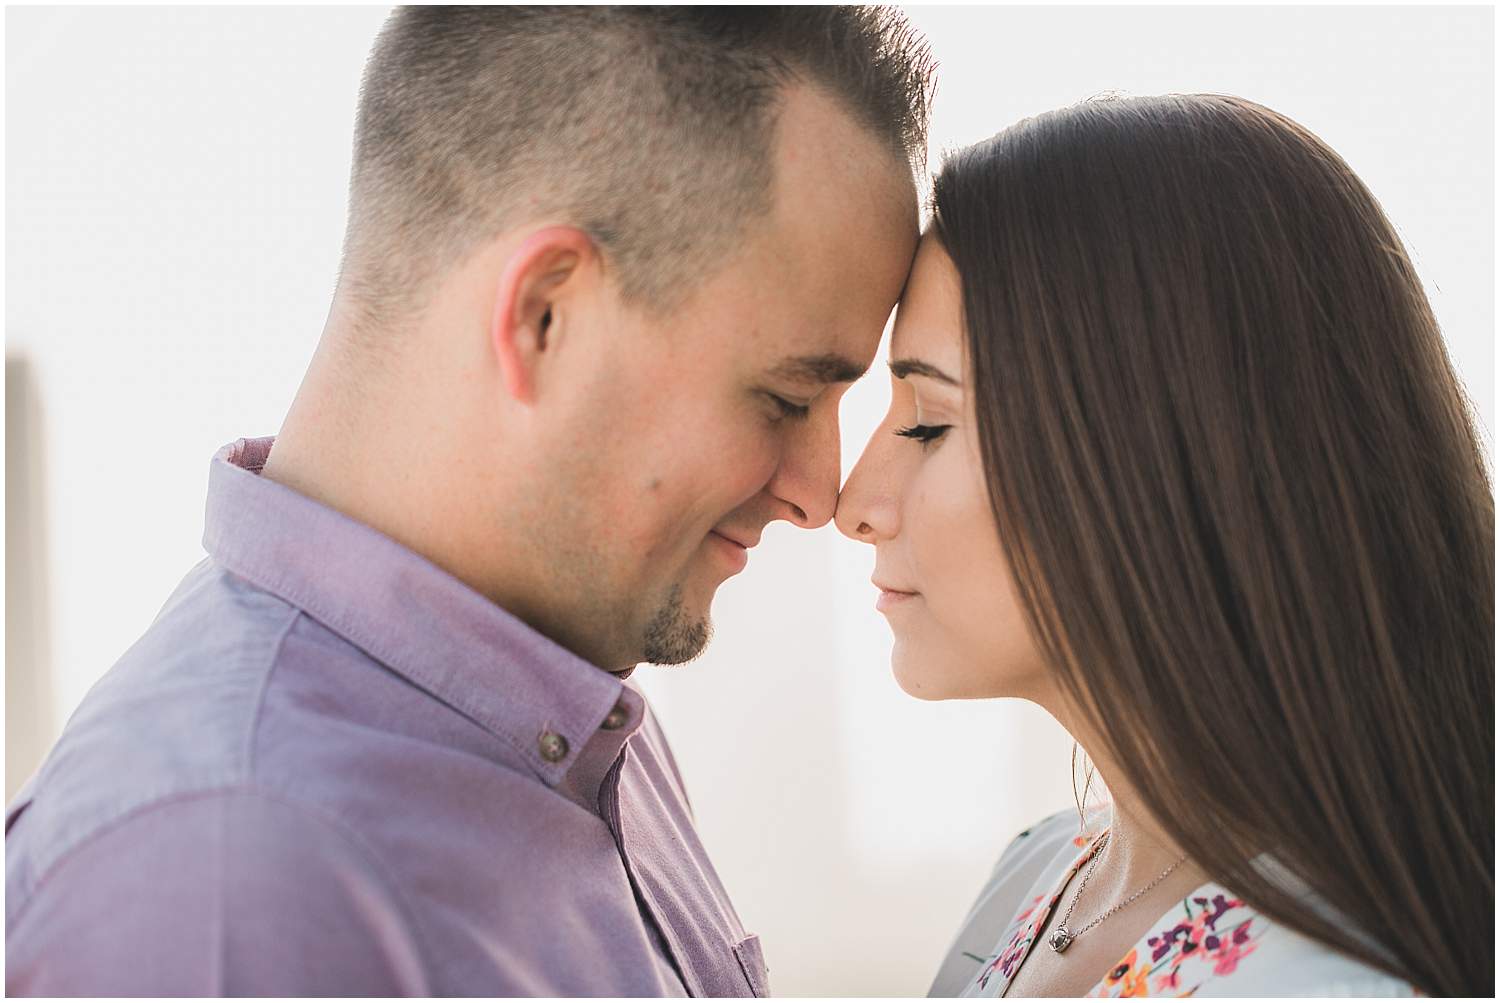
(530, 285)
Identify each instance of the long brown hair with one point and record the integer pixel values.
(1249, 519)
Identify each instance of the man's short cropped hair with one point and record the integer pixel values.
(650, 128)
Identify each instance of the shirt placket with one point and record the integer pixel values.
(659, 932)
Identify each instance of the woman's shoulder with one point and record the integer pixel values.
(1291, 964)
(1034, 856)
(1039, 843)
(1217, 944)
(1312, 968)
(1238, 952)
(1043, 850)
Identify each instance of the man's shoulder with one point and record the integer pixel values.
(172, 716)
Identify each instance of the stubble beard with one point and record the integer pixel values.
(673, 636)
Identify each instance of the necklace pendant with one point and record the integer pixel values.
(1060, 939)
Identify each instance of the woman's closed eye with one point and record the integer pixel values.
(923, 433)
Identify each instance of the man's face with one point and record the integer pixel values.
(692, 431)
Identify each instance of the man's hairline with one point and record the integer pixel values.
(753, 224)
(742, 237)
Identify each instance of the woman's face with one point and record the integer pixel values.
(918, 496)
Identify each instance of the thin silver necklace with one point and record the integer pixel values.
(1062, 936)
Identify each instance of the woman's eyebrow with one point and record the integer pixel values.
(902, 368)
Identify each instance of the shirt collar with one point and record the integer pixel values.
(417, 619)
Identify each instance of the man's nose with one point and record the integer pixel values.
(807, 482)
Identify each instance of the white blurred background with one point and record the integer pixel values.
(175, 182)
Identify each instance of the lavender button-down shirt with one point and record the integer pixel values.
(330, 768)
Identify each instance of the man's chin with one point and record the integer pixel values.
(675, 634)
(680, 645)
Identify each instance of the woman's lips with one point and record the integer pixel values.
(892, 597)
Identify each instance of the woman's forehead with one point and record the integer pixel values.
(929, 318)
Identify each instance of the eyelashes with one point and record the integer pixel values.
(787, 409)
(923, 433)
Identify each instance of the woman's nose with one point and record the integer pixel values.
(844, 517)
(865, 509)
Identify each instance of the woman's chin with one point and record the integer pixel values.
(914, 688)
(934, 678)
(917, 680)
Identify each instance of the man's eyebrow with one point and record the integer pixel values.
(828, 368)
(902, 368)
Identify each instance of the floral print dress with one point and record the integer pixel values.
(1210, 944)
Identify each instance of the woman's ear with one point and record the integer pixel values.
(533, 280)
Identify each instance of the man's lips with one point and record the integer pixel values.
(734, 551)
(735, 540)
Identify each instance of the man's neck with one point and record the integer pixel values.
(369, 448)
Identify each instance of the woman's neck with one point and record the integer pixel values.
(1139, 850)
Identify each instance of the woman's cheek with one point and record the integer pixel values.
(979, 606)
(942, 551)
(949, 518)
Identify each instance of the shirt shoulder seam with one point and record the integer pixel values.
(253, 732)
(307, 605)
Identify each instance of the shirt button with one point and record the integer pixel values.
(552, 746)
(615, 719)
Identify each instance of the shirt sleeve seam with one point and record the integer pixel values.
(335, 825)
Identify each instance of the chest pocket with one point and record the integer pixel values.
(754, 965)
